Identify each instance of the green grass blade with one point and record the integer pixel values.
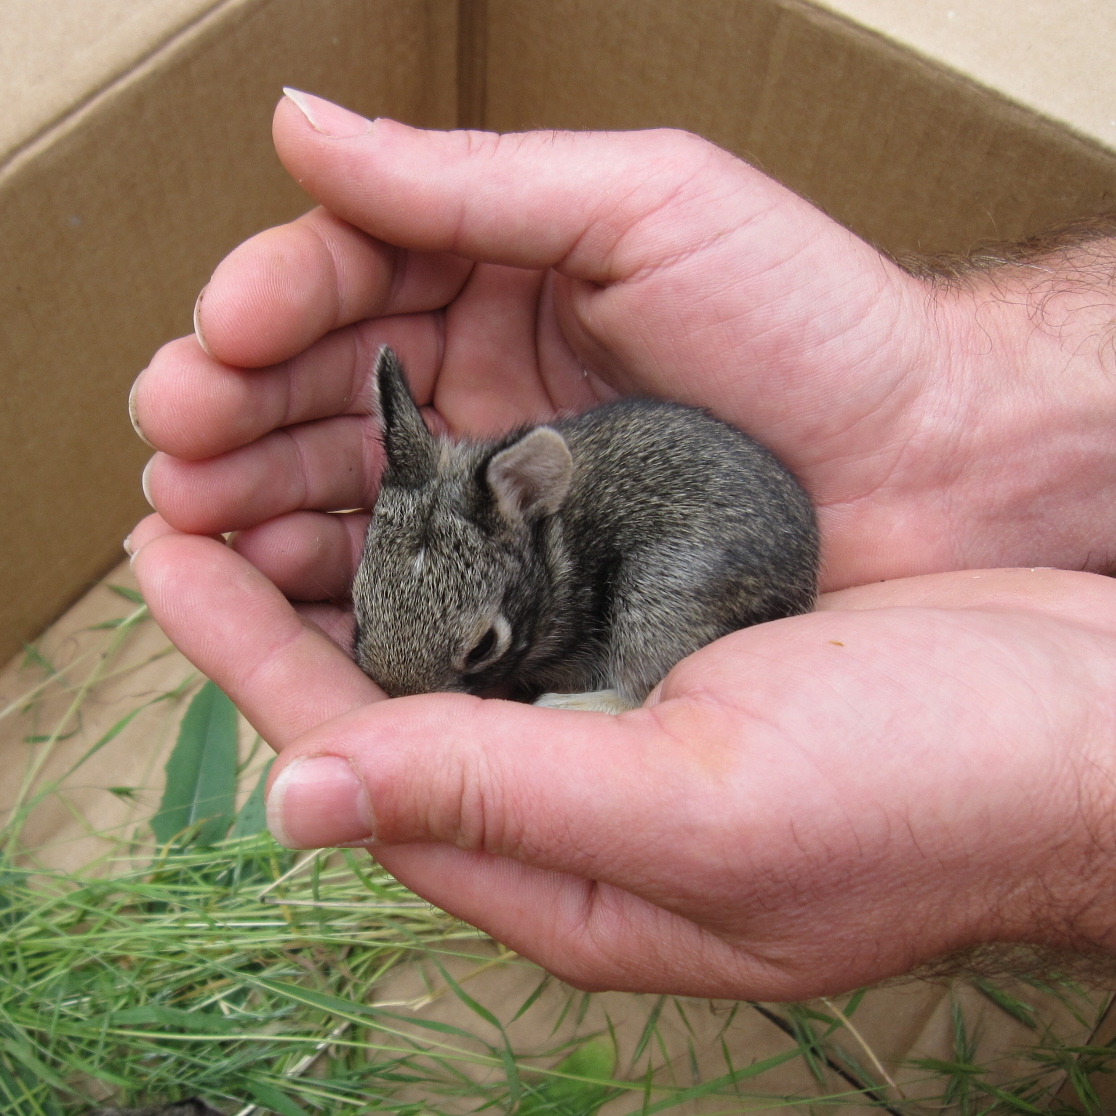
(33, 656)
(19, 1096)
(201, 771)
(127, 593)
(1014, 1103)
(594, 1063)
(252, 818)
(506, 1055)
(205, 1022)
(467, 1000)
(274, 1100)
(351, 1009)
(23, 1054)
(716, 1084)
(648, 1029)
(540, 988)
(854, 1002)
(1016, 1008)
(109, 736)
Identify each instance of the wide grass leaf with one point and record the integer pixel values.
(206, 1022)
(201, 772)
(22, 1095)
(252, 818)
(274, 1100)
(713, 1086)
(564, 1096)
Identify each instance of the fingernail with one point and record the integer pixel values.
(133, 416)
(197, 323)
(127, 544)
(326, 117)
(145, 481)
(319, 803)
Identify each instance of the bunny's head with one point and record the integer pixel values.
(456, 579)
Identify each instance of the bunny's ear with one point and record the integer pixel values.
(412, 453)
(532, 476)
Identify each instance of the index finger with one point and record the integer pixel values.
(408, 210)
(531, 199)
(282, 289)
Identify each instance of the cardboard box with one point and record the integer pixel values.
(117, 201)
(135, 152)
(910, 155)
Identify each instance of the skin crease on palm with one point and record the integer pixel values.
(922, 766)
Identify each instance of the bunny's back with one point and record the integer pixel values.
(680, 529)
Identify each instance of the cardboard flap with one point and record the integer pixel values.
(57, 55)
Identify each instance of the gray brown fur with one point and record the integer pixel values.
(592, 553)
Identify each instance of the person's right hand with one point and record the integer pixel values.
(521, 275)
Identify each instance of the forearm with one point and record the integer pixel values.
(1048, 845)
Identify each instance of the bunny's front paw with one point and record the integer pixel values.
(597, 701)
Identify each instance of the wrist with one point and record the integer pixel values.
(1015, 831)
(1056, 844)
(1032, 376)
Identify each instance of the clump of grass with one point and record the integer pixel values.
(194, 957)
(216, 971)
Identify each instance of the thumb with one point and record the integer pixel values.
(533, 199)
(556, 790)
(589, 844)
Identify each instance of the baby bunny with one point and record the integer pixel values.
(586, 556)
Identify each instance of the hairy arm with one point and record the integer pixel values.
(1031, 380)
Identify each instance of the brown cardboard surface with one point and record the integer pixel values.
(110, 223)
(472, 63)
(96, 679)
(1050, 56)
(910, 155)
(56, 56)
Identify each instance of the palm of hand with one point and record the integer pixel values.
(785, 325)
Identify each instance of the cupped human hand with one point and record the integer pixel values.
(520, 276)
(805, 806)
(919, 767)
